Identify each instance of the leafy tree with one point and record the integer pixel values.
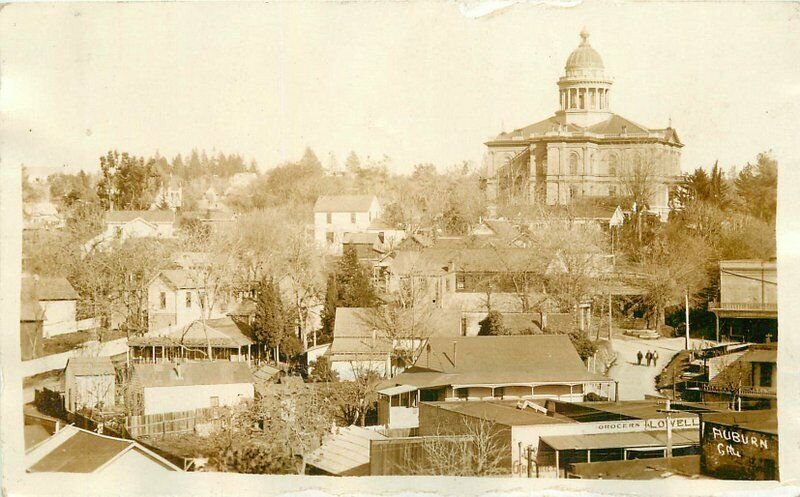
(757, 187)
(585, 347)
(126, 182)
(492, 324)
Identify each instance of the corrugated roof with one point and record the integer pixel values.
(343, 203)
(192, 373)
(49, 288)
(90, 366)
(151, 216)
(345, 453)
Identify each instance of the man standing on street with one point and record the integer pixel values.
(649, 358)
(639, 356)
(655, 358)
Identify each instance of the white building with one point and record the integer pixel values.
(58, 300)
(176, 297)
(89, 382)
(121, 225)
(74, 450)
(335, 215)
(171, 387)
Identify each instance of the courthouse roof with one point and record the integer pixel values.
(343, 203)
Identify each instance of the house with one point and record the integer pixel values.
(359, 346)
(58, 300)
(740, 445)
(369, 247)
(501, 233)
(89, 382)
(335, 215)
(170, 194)
(186, 386)
(75, 450)
(748, 290)
(121, 225)
(41, 215)
(176, 297)
(390, 236)
(747, 380)
(31, 324)
(222, 339)
(465, 369)
(211, 201)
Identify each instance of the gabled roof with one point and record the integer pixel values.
(90, 366)
(181, 278)
(48, 288)
(221, 332)
(151, 216)
(346, 452)
(74, 450)
(192, 374)
(503, 360)
(502, 228)
(344, 203)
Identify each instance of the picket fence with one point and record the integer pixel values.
(171, 423)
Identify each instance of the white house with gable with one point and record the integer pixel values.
(335, 215)
(121, 225)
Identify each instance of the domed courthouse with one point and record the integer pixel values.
(584, 150)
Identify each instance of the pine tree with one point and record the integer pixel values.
(492, 325)
(349, 286)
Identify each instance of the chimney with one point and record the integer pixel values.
(455, 361)
(768, 338)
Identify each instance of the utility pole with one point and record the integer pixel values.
(668, 412)
(687, 319)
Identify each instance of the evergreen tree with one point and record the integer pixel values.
(492, 325)
(352, 164)
(349, 286)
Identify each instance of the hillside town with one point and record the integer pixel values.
(578, 305)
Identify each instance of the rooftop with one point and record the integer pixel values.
(219, 332)
(486, 360)
(765, 421)
(48, 288)
(639, 469)
(344, 203)
(346, 452)
(151, 216)
(192, 373)
(501, 412)
(90, 366)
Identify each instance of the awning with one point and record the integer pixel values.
(621, 440)
(397, 390)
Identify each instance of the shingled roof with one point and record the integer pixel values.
(220, 332)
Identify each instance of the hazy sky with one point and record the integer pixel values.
(420, 82)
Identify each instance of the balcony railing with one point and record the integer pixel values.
(743, 306)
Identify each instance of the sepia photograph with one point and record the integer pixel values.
(512, 241)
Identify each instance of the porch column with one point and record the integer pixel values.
(716, 316)
(493, 393)
(588, 455)
(154, 354)
(557, 468)
(570, 392)
(163, 353)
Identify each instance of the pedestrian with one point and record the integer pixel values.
(655, 358)
(649, 358)
(639, 356)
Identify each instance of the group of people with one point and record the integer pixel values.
(652, 358)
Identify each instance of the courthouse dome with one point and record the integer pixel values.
(584, 57)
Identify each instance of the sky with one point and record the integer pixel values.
(418, 81)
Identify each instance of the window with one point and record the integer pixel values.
(162, 300)
(462, 393)
(499, 392)
(329, 218)
(612, 164)
(188, 300)
(352, 218)
(329, 236)
(765, 374)
(118, 231)
(573, 164)
(459, 281)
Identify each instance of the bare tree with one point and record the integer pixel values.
(474, 447)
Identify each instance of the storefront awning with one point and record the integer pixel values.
(621, 440)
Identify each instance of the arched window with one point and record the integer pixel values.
(613, 163)
(573, 164)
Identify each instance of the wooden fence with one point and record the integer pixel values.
(172, 423)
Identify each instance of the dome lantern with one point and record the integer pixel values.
(584, 88)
